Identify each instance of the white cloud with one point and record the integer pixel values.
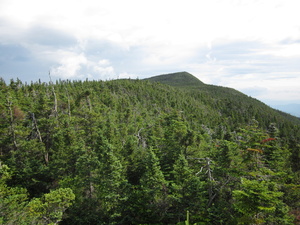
(280, 87)
(103, 71)
(283, 50)
(70, 65)
(76, 66)
(104, 62)
(181, 22)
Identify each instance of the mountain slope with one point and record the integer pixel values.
(227, 101)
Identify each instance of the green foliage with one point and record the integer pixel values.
(12, 200)
(187, 190)
(144, 152)
(17, 209)
(50, 208)
(259, 202)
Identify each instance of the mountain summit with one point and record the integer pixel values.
(179, 79)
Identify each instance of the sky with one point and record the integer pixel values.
(251, 45)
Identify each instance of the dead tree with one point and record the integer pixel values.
(11, 121)
(36, 128)
(212, 189)
(207, 167)
(54, 94)
(142, 140)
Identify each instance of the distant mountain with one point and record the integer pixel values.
(293, 109)
(180, 79)
(227, 101)
(188, 81)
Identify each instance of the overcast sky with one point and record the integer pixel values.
(252, 45)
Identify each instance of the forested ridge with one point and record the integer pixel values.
(164, 150)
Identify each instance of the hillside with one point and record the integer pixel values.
(144, 152)
(230, 99)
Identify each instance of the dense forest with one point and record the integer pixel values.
(164, 150)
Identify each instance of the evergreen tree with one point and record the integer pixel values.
(260, 202)
(187, 192)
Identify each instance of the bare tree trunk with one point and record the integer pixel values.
(35, 125)
(54, 94)
(210, 178)
(142, 140)
(69, 104)
(207, 161)
(11, 121)
(88, 100)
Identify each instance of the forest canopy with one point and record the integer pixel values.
(165, 150)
